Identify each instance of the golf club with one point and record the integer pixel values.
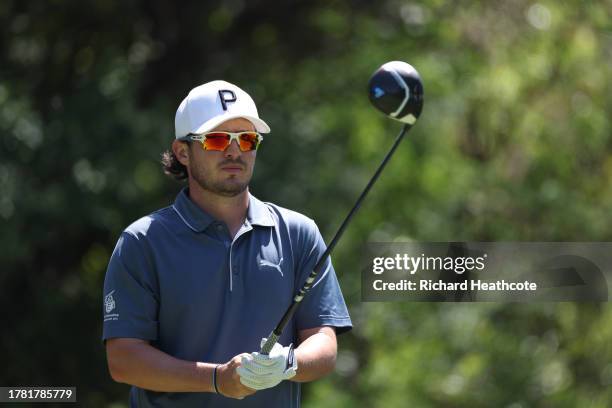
(395, 89)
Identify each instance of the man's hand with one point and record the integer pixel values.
(228, 380)
(259, 371)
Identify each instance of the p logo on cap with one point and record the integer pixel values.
(224, 101)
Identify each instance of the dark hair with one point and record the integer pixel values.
(172, 166)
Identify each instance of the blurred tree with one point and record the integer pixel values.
(514, 144)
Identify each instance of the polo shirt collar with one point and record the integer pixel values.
(259, 213)
(192, 215)
(198, 220)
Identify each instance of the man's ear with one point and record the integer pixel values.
(181, 151)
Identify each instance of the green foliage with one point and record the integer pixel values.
(513, 144)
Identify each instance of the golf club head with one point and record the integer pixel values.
(396, 89)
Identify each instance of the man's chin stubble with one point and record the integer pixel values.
(224, 189)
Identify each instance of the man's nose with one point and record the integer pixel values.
(233, 150)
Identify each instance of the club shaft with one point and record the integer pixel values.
(275, 334)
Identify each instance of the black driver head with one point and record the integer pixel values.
(396, 90)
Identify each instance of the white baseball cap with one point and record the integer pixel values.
(210, 104)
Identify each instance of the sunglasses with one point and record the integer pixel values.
(219, 141)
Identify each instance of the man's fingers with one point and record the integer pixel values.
(257, 368)
(263, 359)
(244, 372)
(254, 387)
(257, 385)
(275, 363)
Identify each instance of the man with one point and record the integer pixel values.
(191, 289)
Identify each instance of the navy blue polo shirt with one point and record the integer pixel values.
(177, 279)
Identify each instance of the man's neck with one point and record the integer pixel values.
(231, 210)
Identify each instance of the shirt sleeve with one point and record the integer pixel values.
(130, 302)
(324, 304)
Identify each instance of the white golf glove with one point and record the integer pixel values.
(259, 371)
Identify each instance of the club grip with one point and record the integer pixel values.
(270, 342)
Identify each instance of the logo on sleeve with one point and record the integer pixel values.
(109, 302)
(109, 306)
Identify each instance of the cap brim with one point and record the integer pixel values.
(260, 125)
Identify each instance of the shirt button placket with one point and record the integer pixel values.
(235, 271)
(236, 260)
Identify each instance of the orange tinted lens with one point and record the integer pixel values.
(216, 141)
(248, 141)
